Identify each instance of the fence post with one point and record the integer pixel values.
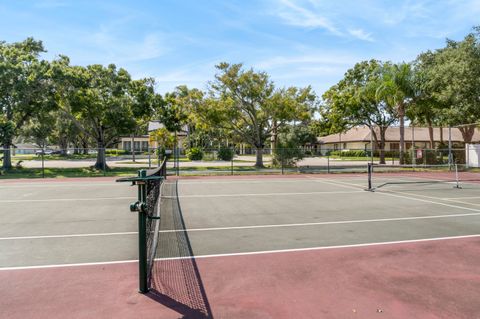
(149, 157)
(233, 154)
(104, 162)
(43, 163)
(369, 172)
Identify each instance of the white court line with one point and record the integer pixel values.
(261, 194)
(242, 181)
(68, 236)
(50, 184)
(252, 252)
(375, 220)
(206, 229)
(410, 197)
(467, 197)
(63, 199)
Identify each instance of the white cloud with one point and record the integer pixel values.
(361, 34)
(297, 15)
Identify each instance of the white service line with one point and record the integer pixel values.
(52, 185)
(261, 194)
(319, 248)
(375, 220)
(63, 199)
(68, 236)
(292, 250)
(242, 181)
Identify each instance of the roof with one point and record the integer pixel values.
(392, 134)
(155, 125)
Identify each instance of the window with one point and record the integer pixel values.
(144, 146)
(127, 145)
(394, 146)
(136, 145)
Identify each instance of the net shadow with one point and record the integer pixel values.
(176, 283)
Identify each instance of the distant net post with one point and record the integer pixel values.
(369, 172)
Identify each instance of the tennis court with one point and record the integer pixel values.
(294, 246)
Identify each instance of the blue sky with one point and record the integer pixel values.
(298, 42)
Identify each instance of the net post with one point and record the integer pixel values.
(328, 164)
(142, 236)
(369, 172)
(457, 182)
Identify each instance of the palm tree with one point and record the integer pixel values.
(398, 90)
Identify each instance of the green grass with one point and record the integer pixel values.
(66, 172)
(362, 158)
(55, 157)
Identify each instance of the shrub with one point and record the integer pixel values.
(225, 153)
(113, 152)
(195, 154)
(351, 153)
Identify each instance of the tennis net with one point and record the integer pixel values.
(154, 191)
(383, 175)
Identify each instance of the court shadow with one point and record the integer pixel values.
(176, 282)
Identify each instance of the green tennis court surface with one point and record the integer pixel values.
(214, 219)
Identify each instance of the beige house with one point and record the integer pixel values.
(139, 143)
(359, 138)
(142, 143)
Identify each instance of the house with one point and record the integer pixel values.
(140, 143)
(359, 138)
(157, 125)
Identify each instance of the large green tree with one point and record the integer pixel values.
(354, 101)
(102, 102)
(26, 89)
(246, 103)
(452, 78)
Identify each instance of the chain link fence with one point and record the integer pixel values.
(38, 162)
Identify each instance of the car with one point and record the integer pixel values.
(47, 152)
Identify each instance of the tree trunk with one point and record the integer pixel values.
(401, 116)
(259, 161)
(382, 145)
(467, 133)
(100, 164)
(441, 135)
(7, 157)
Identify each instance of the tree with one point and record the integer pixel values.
(143, 102)
(452, 79)
(26, 89)
(397, 89)
(425, 108)
(291, 140)
(354, 101)
(246, 103)
(99, 102)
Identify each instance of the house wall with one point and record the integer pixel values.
(141, 144)
(389, 146)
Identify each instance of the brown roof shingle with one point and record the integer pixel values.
(420, 134)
